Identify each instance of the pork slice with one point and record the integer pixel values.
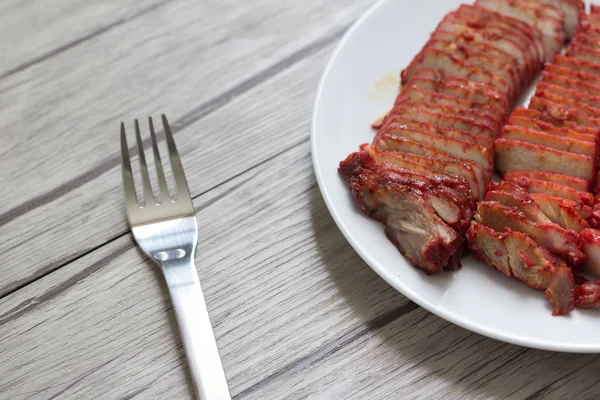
(530, 263)
(451, 105)
(596, 184)
(566, 180)
(573, 13)
(584, 40)
(561, 291)
(517, 72)
(540, 16)
(431, 157)
(574, 74)
(588, 295)
(583, 53)
(517, 155)
(560, 212)
(510, 42)
(453, 65)
(514, 254)
(449, 110)
(586, 97)
(563, 143)
(583, 210)
(486, 18)
(548, 128)
(547, 201)
(539, 138)
(449, 186)
(427, 79)
(465, 150)
(562, 242)
(520, 201)
(411, 223)
(488, 245)
(551, 189)
(588, 90)
(591, 248)
(506, 186)
(561, 111)
(578, 65)
(401, 114)
(545, 93)
(481, 56)
(559, 117)
(437, 129)
(589, 26)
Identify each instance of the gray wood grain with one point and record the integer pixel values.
(420, 356)
(281, 283)
(35, 30)
(199, 64)
(297, 314)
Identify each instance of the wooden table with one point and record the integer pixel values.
(83, 315)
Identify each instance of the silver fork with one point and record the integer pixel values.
(167, 231)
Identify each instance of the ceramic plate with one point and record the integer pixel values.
(360, 84)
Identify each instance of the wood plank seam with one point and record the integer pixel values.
(189, 118)
(24, 307)
(78, 41)
(21, 309)
(330, 348)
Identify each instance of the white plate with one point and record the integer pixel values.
(359, 84)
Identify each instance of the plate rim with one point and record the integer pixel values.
(382, 272)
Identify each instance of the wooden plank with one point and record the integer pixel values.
(420, 356)
(61, 25)
(281, 283)
(60, 175)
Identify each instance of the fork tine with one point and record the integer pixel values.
(128, 185)
(147, 186)
(160, 173)
(181, 185)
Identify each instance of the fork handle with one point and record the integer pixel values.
(196, 331)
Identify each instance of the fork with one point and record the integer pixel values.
(166, 230)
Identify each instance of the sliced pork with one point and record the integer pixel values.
(433, 154)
